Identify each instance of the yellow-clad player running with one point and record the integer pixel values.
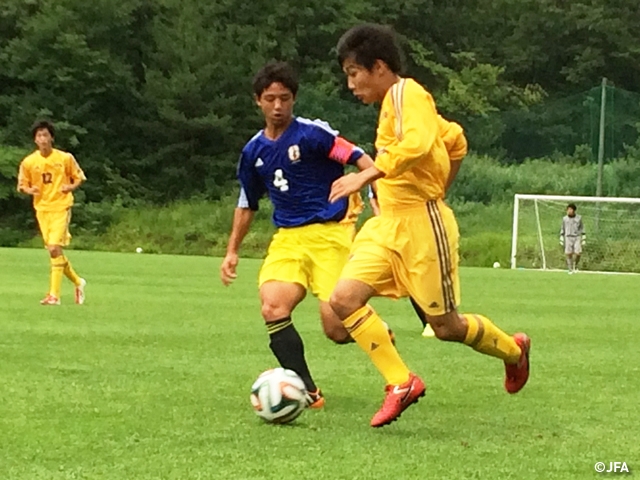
(455, 142)
(411, 249)
(50, 176)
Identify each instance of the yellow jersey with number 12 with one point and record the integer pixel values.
(49, 174)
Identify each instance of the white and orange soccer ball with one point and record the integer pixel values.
(278, 396)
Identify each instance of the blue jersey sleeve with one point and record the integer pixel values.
(331, 144)
(252, 186)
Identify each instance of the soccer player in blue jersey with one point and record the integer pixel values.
(294, 162)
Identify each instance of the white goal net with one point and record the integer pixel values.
(611, 227)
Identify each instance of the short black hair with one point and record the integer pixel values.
(40, 124)
(572, 206)
(275, 72)
(369, 42)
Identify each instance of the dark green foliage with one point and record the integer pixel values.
(154, 99)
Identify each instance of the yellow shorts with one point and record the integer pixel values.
(54, 227)
(312, 256)
(350, 228)
(410, 252)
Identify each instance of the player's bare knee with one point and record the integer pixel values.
(54, 250)
(449, 327)
(342, 304)
(272, 311)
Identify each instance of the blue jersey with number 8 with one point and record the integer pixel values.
(296, 172)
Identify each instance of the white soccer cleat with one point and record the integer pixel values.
(80, 291)
(428, 332)
(50, 300)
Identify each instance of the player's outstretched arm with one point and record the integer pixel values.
(242, 218)
(353, 182)
(364, 162)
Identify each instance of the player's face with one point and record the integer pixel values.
(43, 139)
(276, 103)
(364, 84)
(571, 212)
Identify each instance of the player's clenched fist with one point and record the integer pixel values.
(228, 269)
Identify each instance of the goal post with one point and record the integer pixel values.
(611, 224)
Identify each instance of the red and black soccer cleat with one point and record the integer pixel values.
(517, 374)
(398, 399)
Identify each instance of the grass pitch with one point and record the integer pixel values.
(150, 380)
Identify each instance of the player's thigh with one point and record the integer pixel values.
(56, 227)
(43, 225)
(577, 246)
(569, 246)
(325, 257)
(285, 262)
(430, 273)
(371, 263)
(279, 299)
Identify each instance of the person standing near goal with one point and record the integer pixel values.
(572, 237)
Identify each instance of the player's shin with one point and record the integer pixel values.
(57, 270)
(70, 273)
(370, 333)
(576, 261)
(286, 344)
(484, 337)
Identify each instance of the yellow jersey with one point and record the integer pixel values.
(49, 174)
(411, 151)
(454, 140)
(355, 208)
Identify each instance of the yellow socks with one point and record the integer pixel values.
(484, 337)
(369, 332)
(70, 273)
(58, 265)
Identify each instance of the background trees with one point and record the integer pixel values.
(154, 98)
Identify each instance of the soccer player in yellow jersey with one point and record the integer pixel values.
(411, 249)
(455, 142)
(50, 176)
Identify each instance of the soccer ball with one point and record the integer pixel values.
(496, 264)
(278, 396)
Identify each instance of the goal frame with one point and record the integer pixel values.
(558, 198)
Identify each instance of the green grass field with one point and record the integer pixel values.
(150, 380)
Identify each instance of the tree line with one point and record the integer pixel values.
(154, 96)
